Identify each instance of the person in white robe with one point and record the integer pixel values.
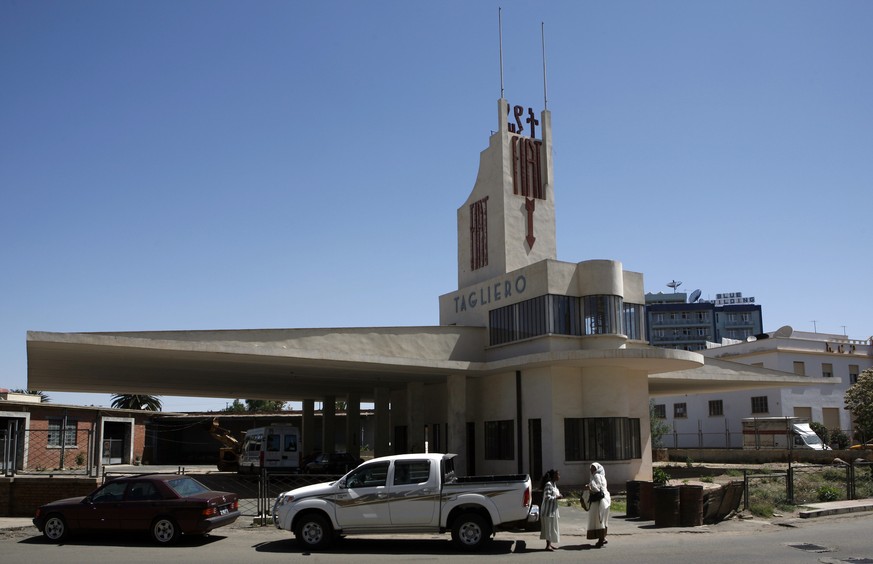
(598, 510)
(549, 515)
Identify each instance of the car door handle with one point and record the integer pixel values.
(426, 490)
(381, 495)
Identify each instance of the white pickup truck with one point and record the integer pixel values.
(406, 493)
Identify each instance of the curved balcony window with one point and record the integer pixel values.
(634, 319)
(602, 314)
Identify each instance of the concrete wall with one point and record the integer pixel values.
(763, 456)
(20, 497)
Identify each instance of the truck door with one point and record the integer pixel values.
(272, 449)
(415, 493)
(363, 503)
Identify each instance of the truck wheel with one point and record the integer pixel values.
(471, 531)
(314, 531)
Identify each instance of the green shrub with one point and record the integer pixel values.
(660, 476)
(840, 439)
(80, 459)
(828, 493)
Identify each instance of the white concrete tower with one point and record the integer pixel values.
(508, 221)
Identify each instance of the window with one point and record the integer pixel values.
(602, 314)
(499, 440)
(716, 408)
(634, 321)
(290, 443)
(54, 433)
(799, 368)
(411, 472)
(827, 370)
(369, 476)
(759, 404)
(274, 443)
(602, 438)
(853, 373)
(660, 411)
(479, 234)
(680, 410)
(566, 317)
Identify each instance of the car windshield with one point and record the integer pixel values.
(186, 486)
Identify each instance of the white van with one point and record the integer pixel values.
(277, 447)
(780, 432)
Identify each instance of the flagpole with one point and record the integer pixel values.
(500, 26)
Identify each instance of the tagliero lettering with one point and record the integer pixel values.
(491, 293)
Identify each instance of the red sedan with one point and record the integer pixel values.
(165, 505)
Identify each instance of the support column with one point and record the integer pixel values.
(353, 424)
(415, 416)
(382, 431)
(328, 424)
(456, 418)
(308, 430)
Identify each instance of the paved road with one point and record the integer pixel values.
(828, 540)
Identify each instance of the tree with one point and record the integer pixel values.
(255, 406)
(236, 407)
(134, 401)
(659, 427)
(43, 397)
(859, 400)
(820, 430)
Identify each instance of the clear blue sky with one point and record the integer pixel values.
(172, 165)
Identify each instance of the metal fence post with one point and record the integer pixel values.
(745, 489)
(789, 485)
(850, 480)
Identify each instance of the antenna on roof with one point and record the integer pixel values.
(674, 284)
(545, 92)
(500, 34)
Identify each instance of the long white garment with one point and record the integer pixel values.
(598, 512)
(549, 514)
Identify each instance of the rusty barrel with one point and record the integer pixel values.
(647, 501)
(690, 505)
(667, 506)
(633, 498)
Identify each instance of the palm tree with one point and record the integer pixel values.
(135, 401)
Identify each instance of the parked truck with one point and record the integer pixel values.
(406, 493)
(780, 433)
(275, 448)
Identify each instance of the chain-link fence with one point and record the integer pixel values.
(35, 451)
(256, 492)
(768, 491)
(685, 438)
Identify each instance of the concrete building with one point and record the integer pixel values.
(714, 419)
(676, 322)
(536, 364)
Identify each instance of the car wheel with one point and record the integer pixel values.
(314, 531)
(55, 528)
(165, 530)
(471, 531)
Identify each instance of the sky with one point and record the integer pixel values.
(194, 164)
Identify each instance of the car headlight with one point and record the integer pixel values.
(284, 498)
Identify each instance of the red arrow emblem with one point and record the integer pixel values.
(530, 205)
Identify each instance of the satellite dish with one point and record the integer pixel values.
(695, 295)
(784, 331)
(674, 284)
